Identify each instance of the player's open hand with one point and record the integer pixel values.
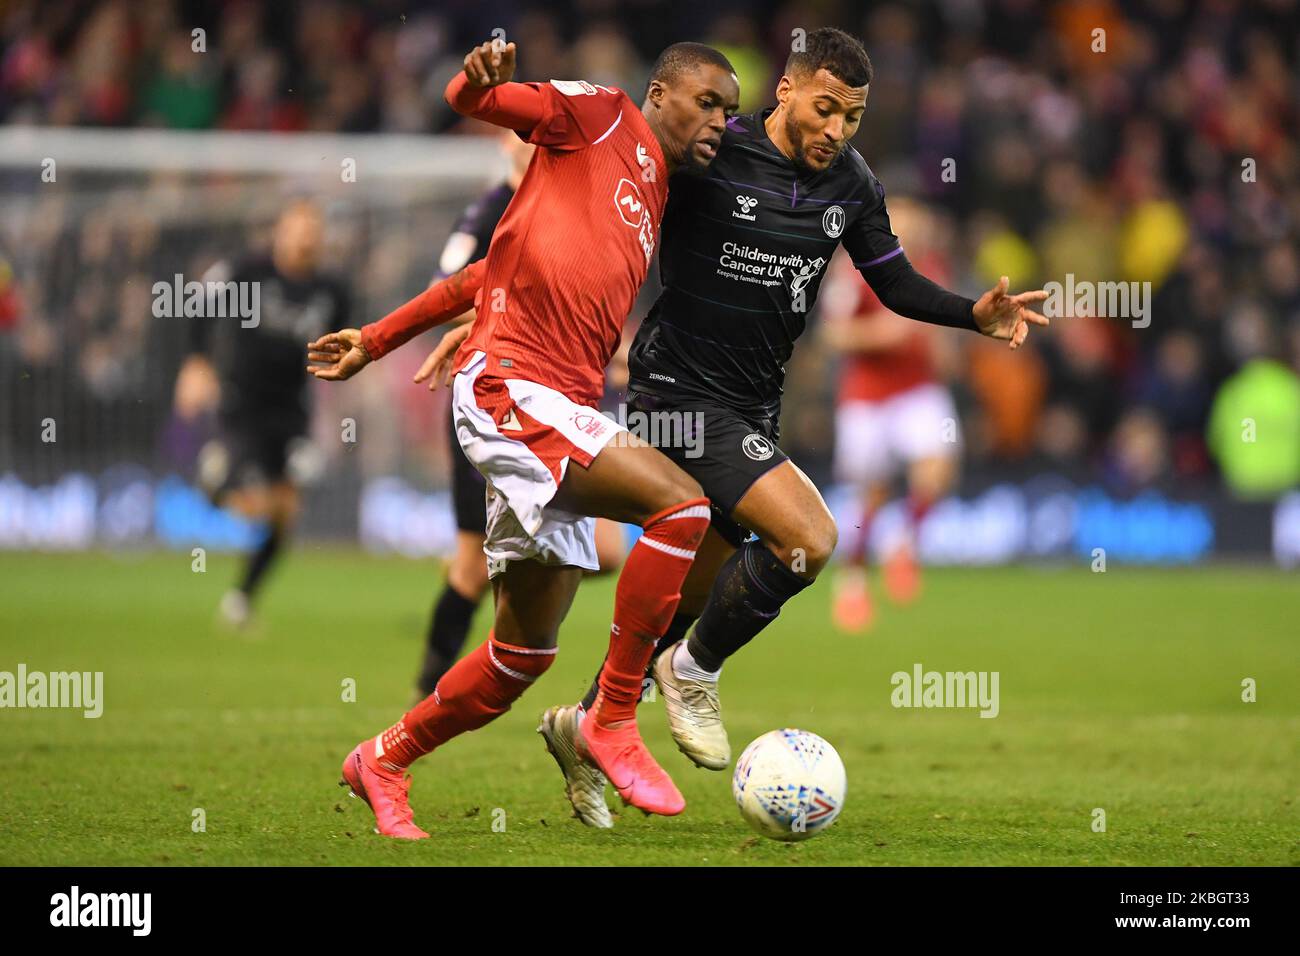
(336, 356)
(437, 367)
(1003, 316)
(490, 64)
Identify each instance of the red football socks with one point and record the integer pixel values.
(480, 687)
(648, 592)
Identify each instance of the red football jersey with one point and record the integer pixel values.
(574, 245)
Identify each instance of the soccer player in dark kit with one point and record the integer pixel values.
(742, 254)
(261, 455)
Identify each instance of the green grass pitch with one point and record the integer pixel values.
(1119, 690)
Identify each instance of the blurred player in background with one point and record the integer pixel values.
(893, 415)
(467, 575)
(251, 371)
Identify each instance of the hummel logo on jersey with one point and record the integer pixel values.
(746, 204)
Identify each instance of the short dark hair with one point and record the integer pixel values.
(836, 51)
(683, 57)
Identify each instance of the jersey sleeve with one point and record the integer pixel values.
(515, 106)
(878, 255)
(870, 240)
(576, 114)
(439, 303)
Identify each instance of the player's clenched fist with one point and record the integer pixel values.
(490, 64)
(337, 355)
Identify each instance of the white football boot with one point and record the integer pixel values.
(694, 716)
(584, 784)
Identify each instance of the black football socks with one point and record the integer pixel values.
(747, 595)
(260, 560)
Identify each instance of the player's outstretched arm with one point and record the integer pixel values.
(996, 313)
(483, 89)
(340, 355)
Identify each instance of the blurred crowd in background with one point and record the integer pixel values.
(1169, 156)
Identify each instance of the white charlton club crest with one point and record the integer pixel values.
(833, 221)
(757, 447)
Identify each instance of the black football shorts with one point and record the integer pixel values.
(250, 452)
(717, 446)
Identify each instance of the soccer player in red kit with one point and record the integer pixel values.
(559, 278)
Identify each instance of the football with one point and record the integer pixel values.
(789, 784)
